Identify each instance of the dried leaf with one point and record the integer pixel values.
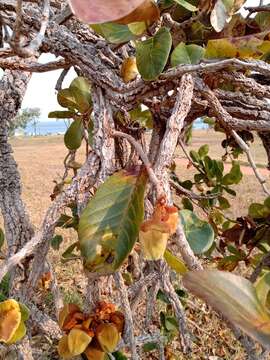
(94, 12)
(129, 69)
(108, 337)
(148, 12)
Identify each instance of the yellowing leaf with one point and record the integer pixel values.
(63, 349)
(108, 337)
(220, 48)
(243, 47)
(19, 333)
(114, 33)
(175, 263)
(154, 233)
(235, 297)
(154, 243)
(137, 28)
(109, 225)
(103, 10)
(93, 353)
(129, 69)
(152, 54)
(148, 12)
(10, 319)
(78, 341)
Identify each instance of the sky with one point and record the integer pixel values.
(41, 89)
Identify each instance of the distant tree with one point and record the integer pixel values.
(24, 117)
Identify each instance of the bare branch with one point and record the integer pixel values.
(246, 149)
(152, 176)
(129, 329)
(14, 64)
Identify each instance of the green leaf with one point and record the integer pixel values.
(118, 355)
(68, 253)
(233, 296)
(80, 89)
(25, 312)
(186, 5)
(203, 151)
(19, 333)
(187, 203)
(267, 202)
(199, 233)
(66, 99)
(109, 225)
(114, 33)
(234, 176)
(61, 114)
(56, 242)
(73, 135)
(143, 117)
(223, 203)
(263, 289)
(257, 211)
(263, 20)
(2, 238)
(187, 54)
(163, 297)
(194, 156)
(171, 323)
(152, 54)
(150, 346)
(175, 263)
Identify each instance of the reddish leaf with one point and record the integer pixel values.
(96, 12)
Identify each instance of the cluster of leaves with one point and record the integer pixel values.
(93, 335)
(78, 102)
(247, 233)
(213, 185)
(221, 32)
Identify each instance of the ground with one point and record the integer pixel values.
(40, 161)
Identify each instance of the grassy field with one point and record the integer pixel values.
(40, 161)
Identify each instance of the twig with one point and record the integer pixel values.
(260, 8)
(227, 122)
(246, 149)
(61, 78)
(177, 306)
(152, 176)
(191, 194)
(129, 330)
(188, 255)
(180, 142)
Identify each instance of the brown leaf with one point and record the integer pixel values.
(96, 12)
(146, 12)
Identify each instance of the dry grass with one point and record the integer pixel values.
(40, 161)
